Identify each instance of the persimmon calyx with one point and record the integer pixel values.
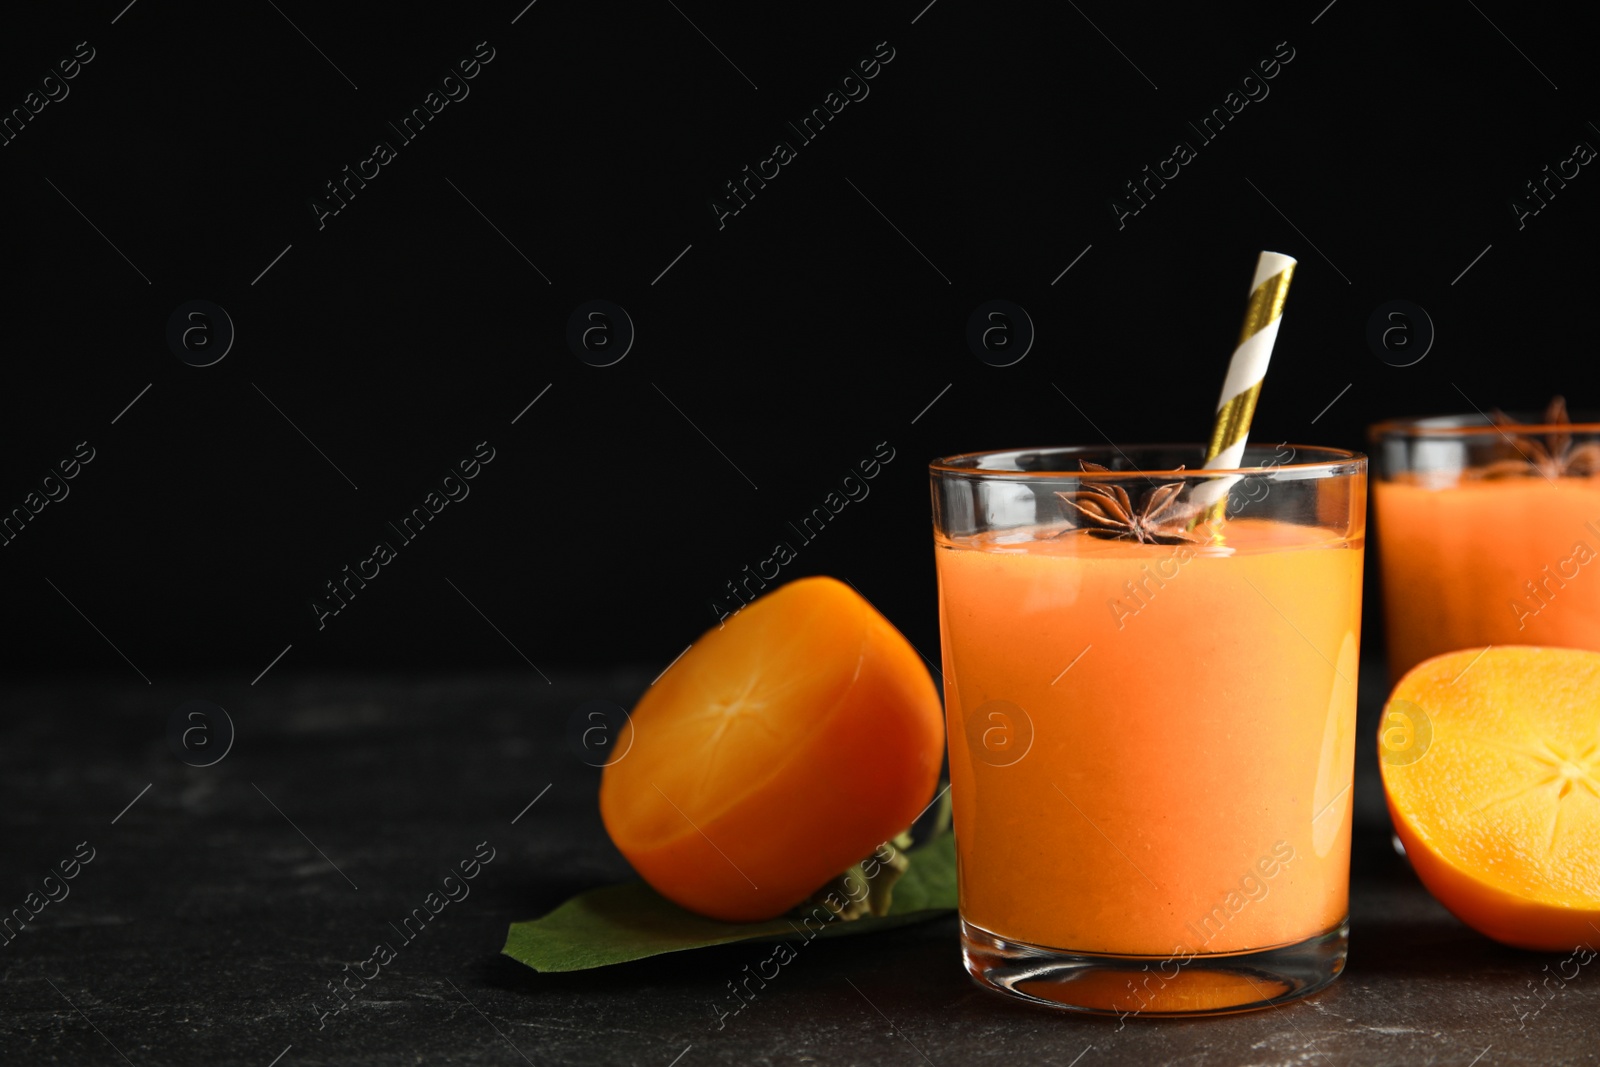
(865, 888)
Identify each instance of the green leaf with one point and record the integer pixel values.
(631, 921)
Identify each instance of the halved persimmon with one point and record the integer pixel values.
(1500, 813)
(782, 748)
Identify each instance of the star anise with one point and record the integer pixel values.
(1106, 511)
(1553, 456)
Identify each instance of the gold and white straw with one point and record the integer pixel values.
(1242, 387)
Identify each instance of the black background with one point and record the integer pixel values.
(796, 338)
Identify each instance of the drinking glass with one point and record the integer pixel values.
(1150, 686)
(1486, 534)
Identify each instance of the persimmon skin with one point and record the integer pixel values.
(1492, 911)
(845, 777)
(1537, 688)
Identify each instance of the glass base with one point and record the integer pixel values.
(1213, 983)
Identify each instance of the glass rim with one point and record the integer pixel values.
(1343, 461)
(1453, 427)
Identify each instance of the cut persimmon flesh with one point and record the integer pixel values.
(1500, 814)
(782, 748)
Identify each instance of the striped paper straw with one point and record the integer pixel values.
(1242, 387)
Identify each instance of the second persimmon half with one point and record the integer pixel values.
(782, 748)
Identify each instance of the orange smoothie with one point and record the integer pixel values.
(1509, 561)
(1152, 746)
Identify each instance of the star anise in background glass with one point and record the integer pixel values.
(1106, 511)
(1552, 456)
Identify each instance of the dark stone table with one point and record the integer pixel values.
(218, 907)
